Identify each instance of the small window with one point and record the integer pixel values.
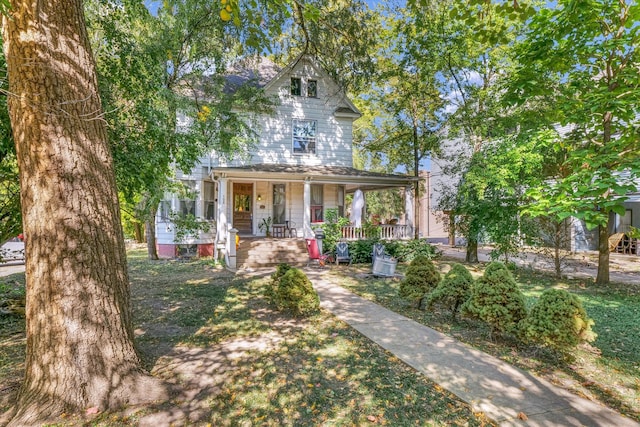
(304, 136)
(164, 210)
(296, 86)
(187, 207)
(209, 201)
(312, 88)
(316, 203)
(187, 196)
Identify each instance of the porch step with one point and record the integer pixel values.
(269, 252)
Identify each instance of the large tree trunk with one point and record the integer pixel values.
(603, 254)
(80, 351)
(472, 251)
(151, 239)
(138, 231)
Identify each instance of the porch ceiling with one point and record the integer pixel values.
(350, 177)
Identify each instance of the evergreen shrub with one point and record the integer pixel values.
(453, 290)
(421, 278)
(295, 294)
(496, 299)
(558, 321)
(270, 289)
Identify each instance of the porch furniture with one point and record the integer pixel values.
(290, 227)
(342, 253)
(314, 253)
(278, 230)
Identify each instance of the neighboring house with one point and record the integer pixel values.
(441, 180)
(301, 166)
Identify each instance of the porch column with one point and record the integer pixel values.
(409, 210)
(306, 210)
(221, 217)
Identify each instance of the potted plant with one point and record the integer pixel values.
(265, 225)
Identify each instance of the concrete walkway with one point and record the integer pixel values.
(488, 384)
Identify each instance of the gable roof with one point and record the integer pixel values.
(263, 73)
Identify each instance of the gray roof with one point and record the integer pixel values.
(255, 71)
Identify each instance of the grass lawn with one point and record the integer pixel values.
(230, 359)
(608, 370)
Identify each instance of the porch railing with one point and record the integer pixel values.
(383, 232)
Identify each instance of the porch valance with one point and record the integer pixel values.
(352, 178)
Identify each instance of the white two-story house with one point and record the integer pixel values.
(301, 166)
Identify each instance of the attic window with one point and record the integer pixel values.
(312, 88)
(296, 86)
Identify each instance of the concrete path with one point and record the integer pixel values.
(12, 267)
(488, 384)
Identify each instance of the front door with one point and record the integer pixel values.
(242, 207)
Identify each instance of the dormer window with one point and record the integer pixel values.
(304, 136)
(296, 86)
(312, 88)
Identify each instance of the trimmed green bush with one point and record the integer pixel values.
(407, 250)
(496, 299)
(295, 294)
(270, 289)
(453, 290)
(421, 278)
(558, 321)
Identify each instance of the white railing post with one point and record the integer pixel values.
(231, 249)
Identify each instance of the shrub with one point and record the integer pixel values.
(295, 293)
(454, 289)
(420, 279)
(496, 299)
(557, 321)
(332, 228)
(270, 289)
(406, 251)
(361, 251)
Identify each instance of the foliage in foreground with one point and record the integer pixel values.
(420, 279)
(295, 294)
(496, 299)
(559, 321)
(454, 290)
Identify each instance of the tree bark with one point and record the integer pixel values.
(152, 251)
(138, 230)
(80, 351)
(472, 251)
(603, 254)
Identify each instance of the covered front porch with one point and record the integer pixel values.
(276, 201)
(286, 201)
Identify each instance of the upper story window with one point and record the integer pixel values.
(296, 86)
(304, 136)
(312, 88)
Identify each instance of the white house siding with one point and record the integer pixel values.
(275, 146)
